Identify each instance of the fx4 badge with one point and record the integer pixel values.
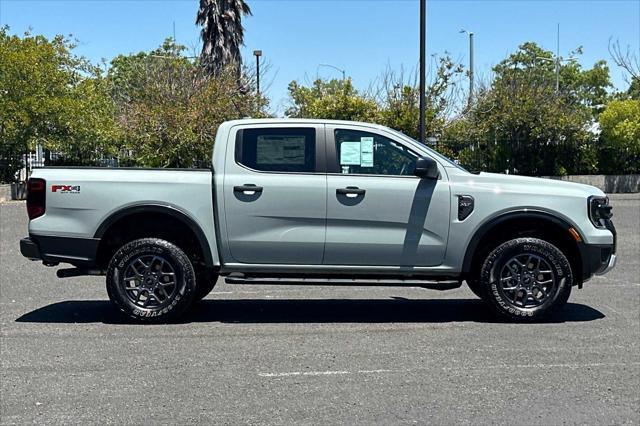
(66, 189)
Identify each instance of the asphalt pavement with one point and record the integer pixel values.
(317, 355)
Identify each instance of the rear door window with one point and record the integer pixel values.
(277, 149)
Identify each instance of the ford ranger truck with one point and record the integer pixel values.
(319, 202)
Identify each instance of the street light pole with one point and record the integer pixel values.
(423, 72)
(471, 67)
(471, 82)
(558, 60)
(257, 54)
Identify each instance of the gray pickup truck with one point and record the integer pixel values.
(319, 202)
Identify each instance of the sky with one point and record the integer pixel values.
(363, 37)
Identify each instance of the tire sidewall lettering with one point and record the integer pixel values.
(185, 278)
(495, 261)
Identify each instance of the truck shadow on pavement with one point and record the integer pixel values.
(395, 309)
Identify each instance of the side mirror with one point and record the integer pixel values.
(426, 168)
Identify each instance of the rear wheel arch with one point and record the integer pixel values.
(521, 223)
(154, 221)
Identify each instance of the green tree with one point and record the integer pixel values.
(88, 133)
(331, 99)
(620, 137)
(634, 89)
(222, 34)
(395, 103)
(52, 97)
(522, 124)
(169, 108)
(399, 101)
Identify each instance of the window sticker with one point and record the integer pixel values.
(350, 154)
(366, 151)
(277, 149)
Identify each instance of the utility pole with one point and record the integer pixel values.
(423, 71)
(470, 67)
(175, 43)
(471, 82)
(257, 54)
(558, 60)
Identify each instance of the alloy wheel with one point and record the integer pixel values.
(527, 280)
(150, 281)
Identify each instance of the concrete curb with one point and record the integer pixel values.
(5, 193)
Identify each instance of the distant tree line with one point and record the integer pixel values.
(516, 121)
(162, 108)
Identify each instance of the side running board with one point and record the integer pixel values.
(430, 284)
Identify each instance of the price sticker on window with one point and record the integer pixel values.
(366, 151)
(350, 154)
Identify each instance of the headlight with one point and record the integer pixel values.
(599, 210)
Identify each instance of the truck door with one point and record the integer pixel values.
(275, 194)
(378, 212)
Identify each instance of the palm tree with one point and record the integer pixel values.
(222, 33)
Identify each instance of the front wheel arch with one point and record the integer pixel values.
(519, 224)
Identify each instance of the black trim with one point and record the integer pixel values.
(465, 206)
(332, 281)
(29, 249)
(76, 251)
(216, 218)
(595, 258)
(319, 274)
(608, 223)
(164, 209)
(491, 223)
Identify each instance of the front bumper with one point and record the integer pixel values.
(598, 259)
(610, 265)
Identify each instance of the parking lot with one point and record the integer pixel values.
(317, 355)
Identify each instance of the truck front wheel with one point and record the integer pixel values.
(151, 280)
(526, 279)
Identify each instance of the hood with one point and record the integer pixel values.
(515, 183)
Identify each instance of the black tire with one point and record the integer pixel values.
(526, 279)
(162, 284)
(475, 287)
(205, 281)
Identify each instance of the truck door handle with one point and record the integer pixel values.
(350, 191)
(248, 189)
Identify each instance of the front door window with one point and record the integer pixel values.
(365, 153)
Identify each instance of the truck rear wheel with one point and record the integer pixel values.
(526, 279)
(151, 280)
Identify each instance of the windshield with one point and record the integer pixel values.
(436, 154)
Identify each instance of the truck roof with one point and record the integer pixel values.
(258, 121)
